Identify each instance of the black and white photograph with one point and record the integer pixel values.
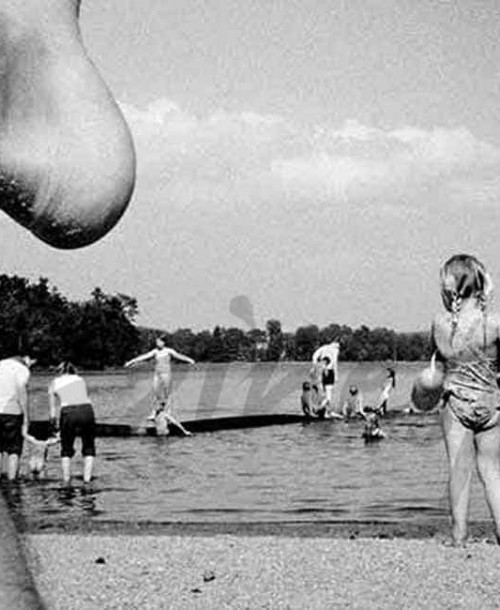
(249, 334)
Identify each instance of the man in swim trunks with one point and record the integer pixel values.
(327, 381)
(329, 350)
(14, 418)
(68, 392)
(162, 377)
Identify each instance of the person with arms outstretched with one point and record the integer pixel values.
(162, 377)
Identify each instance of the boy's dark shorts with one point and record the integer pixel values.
(11, 438)
(320, 413)
(328, 377)
(77, 420)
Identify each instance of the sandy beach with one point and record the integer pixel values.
(244, 571)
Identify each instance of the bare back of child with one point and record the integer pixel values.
(466, 339)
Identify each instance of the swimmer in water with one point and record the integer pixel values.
(372, 430)
(162, 377)
(466, 337)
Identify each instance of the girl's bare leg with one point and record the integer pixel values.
(488, 465)
(156, 398)
(459, 443)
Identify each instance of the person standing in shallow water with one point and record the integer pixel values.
(68, 394)
(389, 385)
(466, 338)
(162, 377)
(14, 419)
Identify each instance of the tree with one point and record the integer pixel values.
(233, 343)
(217, 347)
(257, 342)
(101, 331)
(306, 341)
(183, 340)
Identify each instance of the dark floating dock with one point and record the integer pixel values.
(40, 429)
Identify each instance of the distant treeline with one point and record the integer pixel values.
(101, 332)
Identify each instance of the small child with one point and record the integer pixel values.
(39, 451)
(353, 404)
(372, 430)
(163, 419)
(309, 399)
(311, 403)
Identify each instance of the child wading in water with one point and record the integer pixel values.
(39, 452)
(466, 337)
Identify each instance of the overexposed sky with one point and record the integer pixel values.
(321, 157)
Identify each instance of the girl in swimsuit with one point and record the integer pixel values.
(389, 386)
(162, 377)
(466, 337)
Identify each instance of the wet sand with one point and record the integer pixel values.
(285, 568)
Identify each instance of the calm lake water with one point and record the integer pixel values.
(299, 472)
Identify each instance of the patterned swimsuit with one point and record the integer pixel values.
(472, 393)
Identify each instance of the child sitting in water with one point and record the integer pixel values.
(309, 399)
(372, 430)
(312, 405)
(353, 404)
(162, 420)
(39, 451)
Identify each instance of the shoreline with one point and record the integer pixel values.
(439, 529)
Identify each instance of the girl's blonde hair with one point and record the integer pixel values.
(464, 277)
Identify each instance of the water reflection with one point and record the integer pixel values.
(49, 503)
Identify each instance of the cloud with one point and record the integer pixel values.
(228, 156)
